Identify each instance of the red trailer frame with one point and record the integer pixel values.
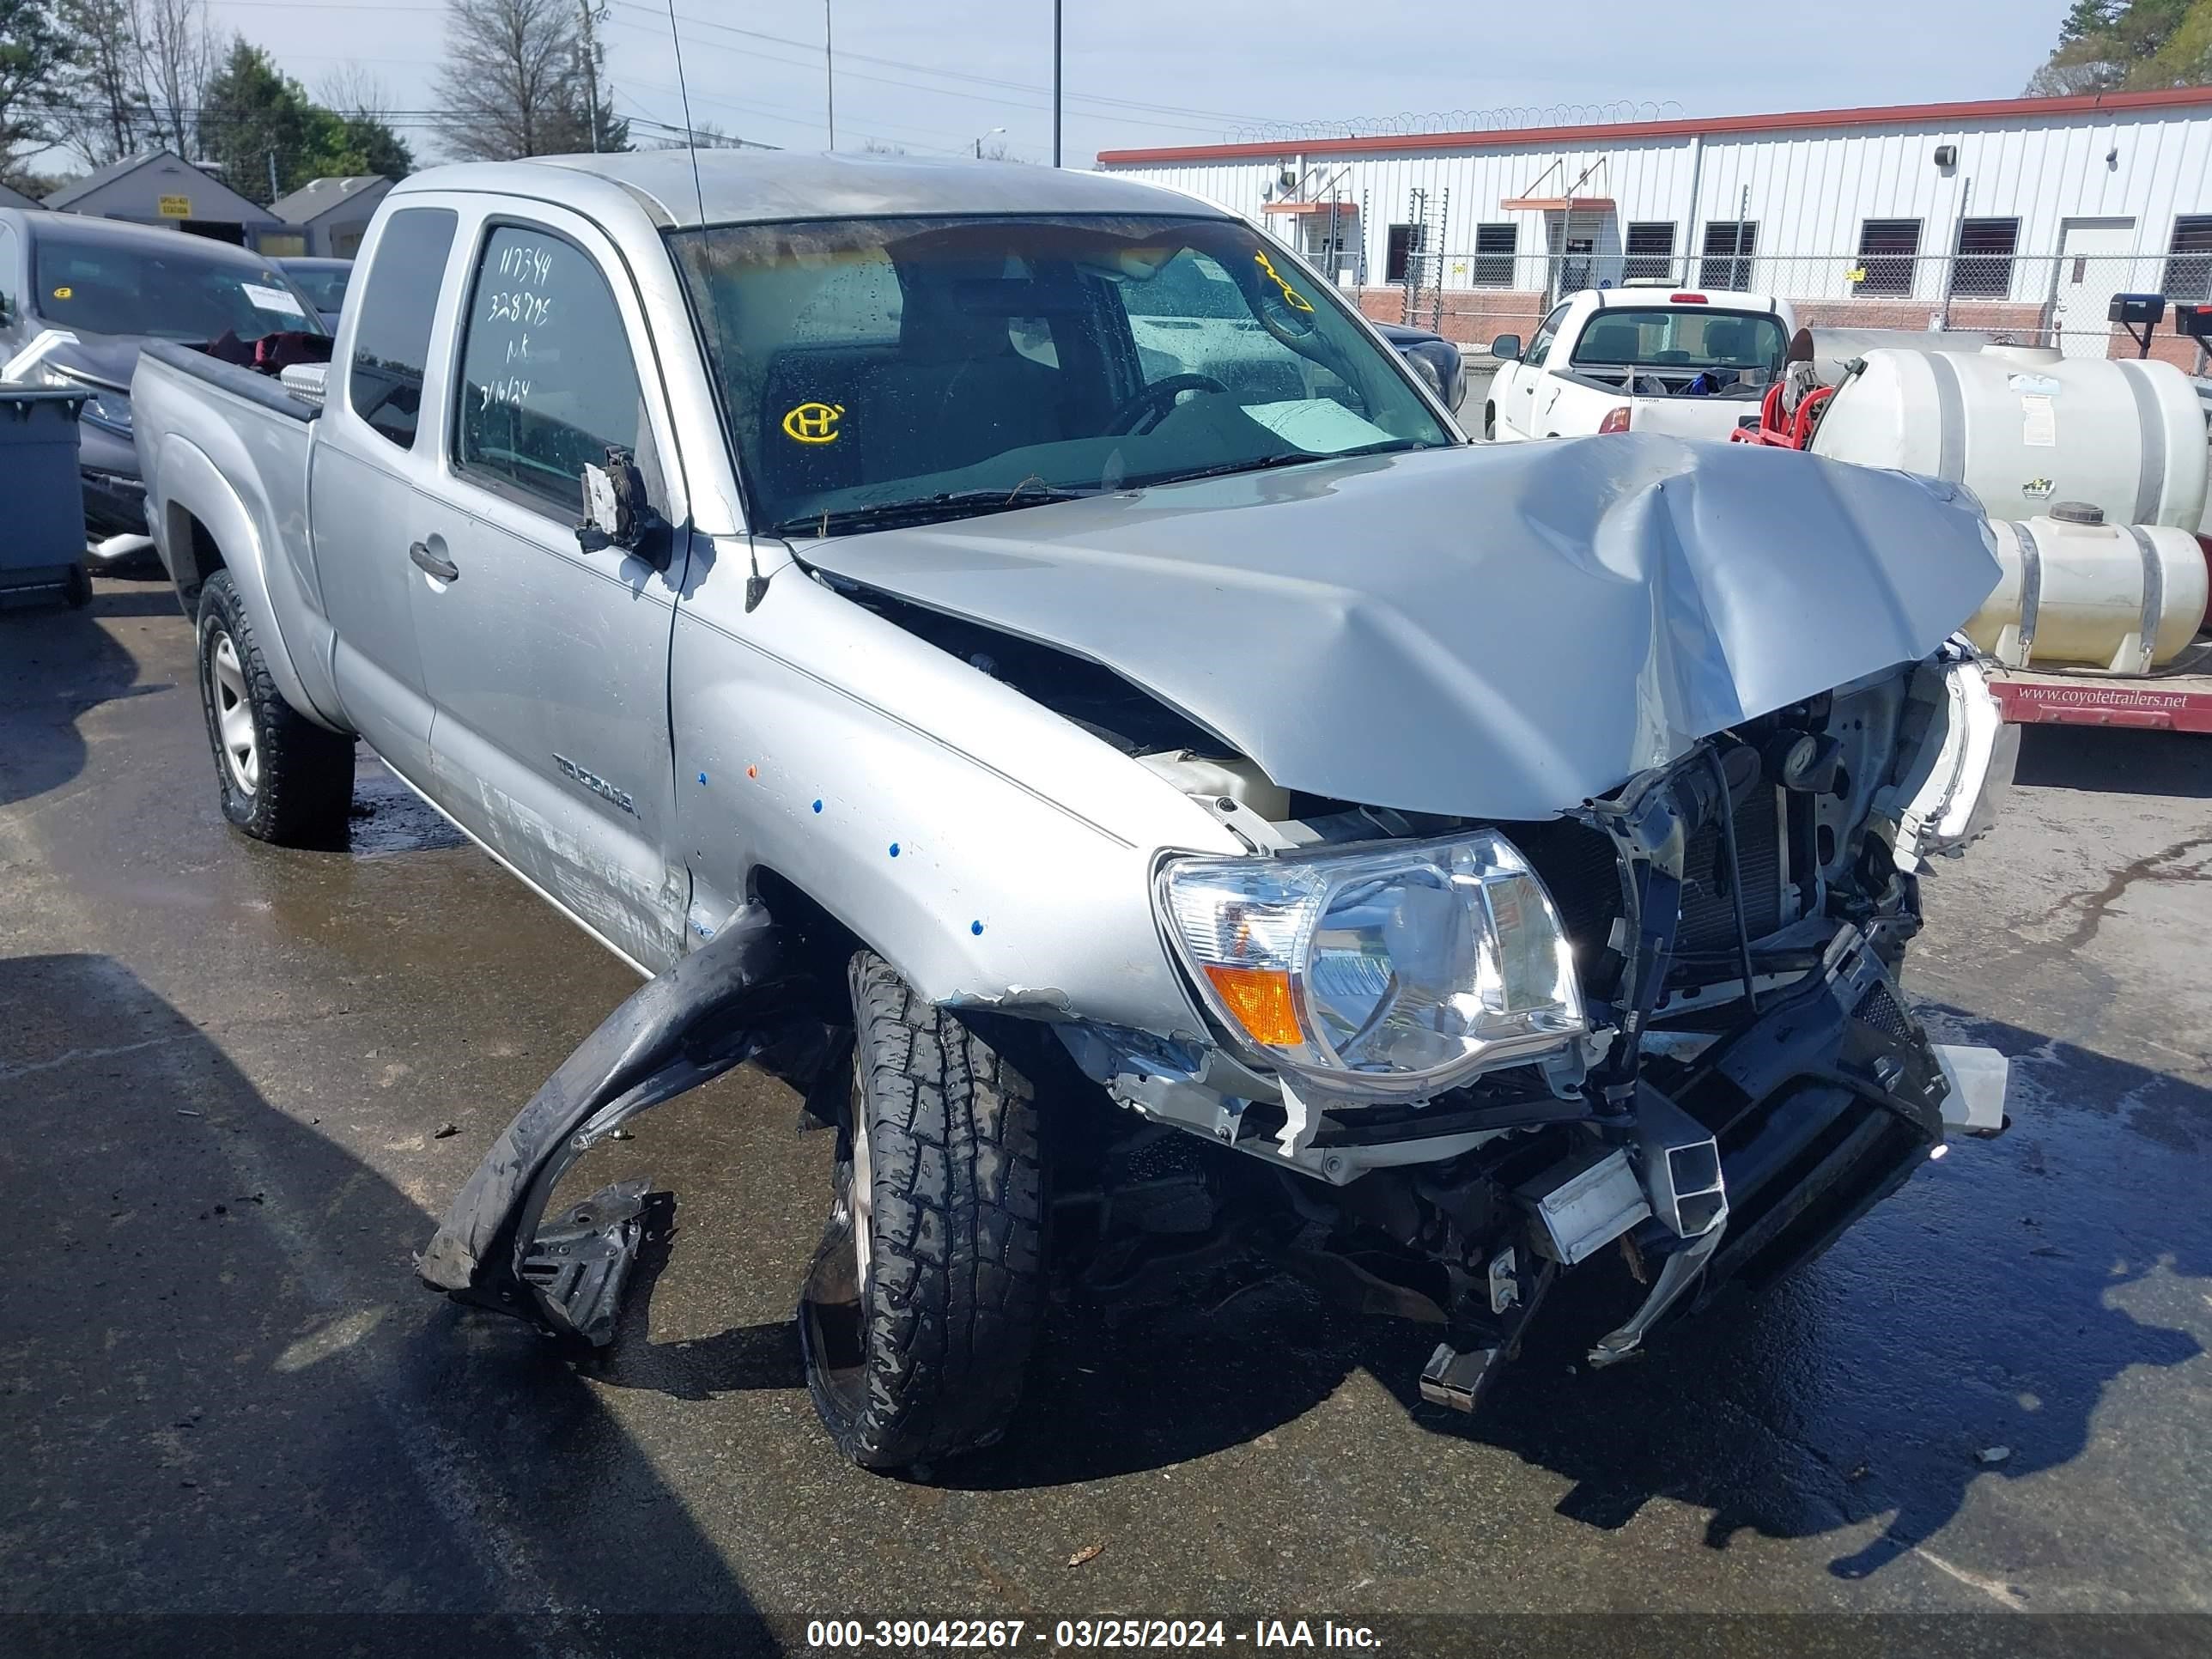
(2171, 702)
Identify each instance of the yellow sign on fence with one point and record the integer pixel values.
(176, 207)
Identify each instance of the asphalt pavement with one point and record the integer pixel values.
(238, 1084)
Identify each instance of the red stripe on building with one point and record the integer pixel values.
(1891, 115)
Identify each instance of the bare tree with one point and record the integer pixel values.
(354, 90)
(511, 84)
(100, 117)
(177, 56)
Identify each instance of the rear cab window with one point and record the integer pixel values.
(549, 382)
(392, 330)
(1671, 350)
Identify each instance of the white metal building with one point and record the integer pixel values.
(2023, 214)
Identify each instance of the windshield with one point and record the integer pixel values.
(883, 371)
(1680, 338)
(115, 287)
(324, 285)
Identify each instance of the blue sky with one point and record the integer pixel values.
(937, 75)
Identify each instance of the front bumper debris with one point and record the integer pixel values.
(715, 1009)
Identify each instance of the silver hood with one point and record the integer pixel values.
(1498, 632)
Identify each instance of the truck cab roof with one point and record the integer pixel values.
(1647, 298)
(755, 186)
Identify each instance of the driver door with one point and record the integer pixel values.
(1517, 404)
(547, 665)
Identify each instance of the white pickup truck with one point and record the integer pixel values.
(1686, 363)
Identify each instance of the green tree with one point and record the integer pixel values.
(34, 56)
(258, 121)
(2107, 45)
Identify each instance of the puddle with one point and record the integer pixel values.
(389, 818)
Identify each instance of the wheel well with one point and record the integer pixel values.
(817, 943)
(194, 553)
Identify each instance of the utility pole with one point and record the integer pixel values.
(1737, 277)
(592, 73)
(1055, 82)
(829, 71)
(273, 192)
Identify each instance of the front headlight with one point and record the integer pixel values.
(1391, 974)
(1427, 370)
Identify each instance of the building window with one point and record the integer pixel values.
(1983, 266)
(1887, 249)
(1398, 252)
(1730, 244)
(2189, 260)
(1651, 250)
(1494, 246)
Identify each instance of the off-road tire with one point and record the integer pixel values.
(928, 1361)
(303, 787)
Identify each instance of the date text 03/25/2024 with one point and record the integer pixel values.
(1019, 1635)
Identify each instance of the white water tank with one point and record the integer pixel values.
(2084, 593)
(2023, 427)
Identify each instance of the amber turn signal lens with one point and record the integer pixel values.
(1261, 999)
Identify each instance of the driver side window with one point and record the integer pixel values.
(548, 380)
(1548, 331)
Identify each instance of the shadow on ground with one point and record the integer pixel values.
(2102, 758)
(1975, 1309)
(35, 648)
(225, 1394)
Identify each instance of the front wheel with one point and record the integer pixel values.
(924, 1298)
(283, 778)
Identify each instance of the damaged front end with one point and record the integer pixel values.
(1667, 1024)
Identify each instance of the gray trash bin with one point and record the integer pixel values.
(41, 498)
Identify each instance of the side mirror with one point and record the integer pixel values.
(618, 514)
(1506, 347)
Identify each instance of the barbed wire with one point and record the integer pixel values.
(1506, 117)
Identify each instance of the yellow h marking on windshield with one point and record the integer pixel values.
(813, 424)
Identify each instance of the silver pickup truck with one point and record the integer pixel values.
(1013, 654)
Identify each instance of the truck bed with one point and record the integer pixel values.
(255, 387)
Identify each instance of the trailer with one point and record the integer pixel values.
(2158, 702)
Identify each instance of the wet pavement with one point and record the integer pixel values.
(224, 1071)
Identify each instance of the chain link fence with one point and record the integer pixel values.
(1474, 294)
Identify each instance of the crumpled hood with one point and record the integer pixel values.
(1499, 632)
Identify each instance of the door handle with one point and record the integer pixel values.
(444, 569)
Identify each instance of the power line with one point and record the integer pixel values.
(955, 74)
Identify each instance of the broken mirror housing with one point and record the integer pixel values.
(1387, 974)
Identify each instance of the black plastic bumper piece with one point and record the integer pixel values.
(711, 1011)
(1821, 1109)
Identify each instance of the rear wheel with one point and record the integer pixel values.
(923, 1299)
(283, 778)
